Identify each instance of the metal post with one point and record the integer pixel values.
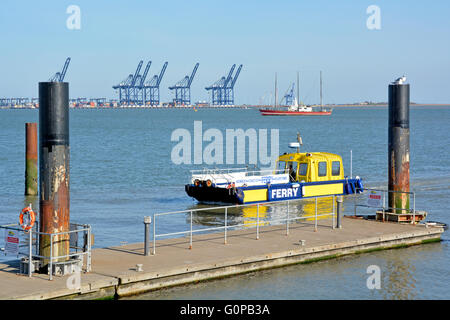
(51, 257)
(190, 240)
(31, 160)
(334, 211)
(398, 147)
(226, 214)
(351, 164)
(89, 261)
(339, 201)
(287, 220)
(54, 154)
(315, 212)
(154, 234)
(257, 221)
(37, 239)
(30, 251)
(147, 221)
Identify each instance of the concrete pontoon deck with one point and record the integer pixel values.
(114, 271)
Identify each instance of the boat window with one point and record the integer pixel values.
(336, 168)
(322, 169)
(303, 169)
(292, 170)
(281, 167)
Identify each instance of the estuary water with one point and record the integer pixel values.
(121, 170)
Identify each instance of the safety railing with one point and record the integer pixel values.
(216, 170)
(287, 219)
(77, 249)
(237, 170)
(380, 204)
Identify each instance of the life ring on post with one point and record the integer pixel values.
(27, 218)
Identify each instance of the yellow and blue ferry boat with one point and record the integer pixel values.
(297, 175)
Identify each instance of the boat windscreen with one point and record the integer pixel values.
(281, 167)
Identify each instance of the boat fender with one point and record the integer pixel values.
(346, 187)
(349, 188)
(359, 186)
(240, 195)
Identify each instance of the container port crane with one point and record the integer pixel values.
(123, 87)
(151, 87)
(222, 91)
(59, 76)
(130, 90)
(229, 88)
(127, 87)
(183, 89)
(139, 94)
(289, 96)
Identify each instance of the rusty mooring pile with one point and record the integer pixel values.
(398, 157)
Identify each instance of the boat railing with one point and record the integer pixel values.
(237, 170)
(265, 172)
(290, 217)
(217, 171)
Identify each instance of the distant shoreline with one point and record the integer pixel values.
(234, 107)
(385, 105)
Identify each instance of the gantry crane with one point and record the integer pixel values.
(183, 89)
(222, 91)
(59, 76)
(289, 96)
(139, 94)
(151, 87)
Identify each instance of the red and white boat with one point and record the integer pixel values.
(295, 109)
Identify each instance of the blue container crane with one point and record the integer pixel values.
(130, 88)
(138, 93)
(229, 88)
(59, 76)
(289, 96)
(123, 88)
(222, 91)
(183, 88)
(151, 87)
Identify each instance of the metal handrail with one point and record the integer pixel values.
(216, 170)
(386, 208)
(51, 258)
(225, 227)
(224, 171)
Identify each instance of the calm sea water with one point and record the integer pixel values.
(121, 171)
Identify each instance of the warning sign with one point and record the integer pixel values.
(11, 242)
(374, 199)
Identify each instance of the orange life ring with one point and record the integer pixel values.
(27, 225)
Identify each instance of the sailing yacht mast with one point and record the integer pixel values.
(321, 101)
(276, 95)
(298, 90)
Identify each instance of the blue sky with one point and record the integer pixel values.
(265, 36)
